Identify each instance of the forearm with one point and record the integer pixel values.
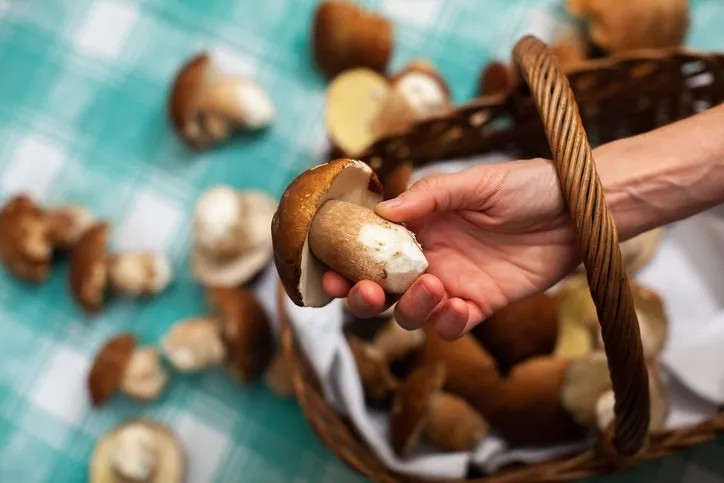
(665, 175)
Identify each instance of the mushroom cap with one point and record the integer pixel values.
(411, 405)
(374, 371)
(211, 95)
(246, 250)
(246, 331)
(497, 78)
(89, 268)
(299, 270)
(170, 463)
(106, 373)
(25, 244)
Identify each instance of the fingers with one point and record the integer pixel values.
(335, 284)
(418, 303)
(366, 299)
(456, 318)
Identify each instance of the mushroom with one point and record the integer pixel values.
(232, 241)
(497, 78)
(138, 451)
(245, 331)
(421, 407)
(194, 344)
(26, 247)
(278, 376)
(521, 330)
(68, 223)
(93, 270)
(642, 24)
(418, 92)
(325, 217)
(211, 97)
(355, 99)
(579, 332)
(347, 36)
(121, 365)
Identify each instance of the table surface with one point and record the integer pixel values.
(83, 87)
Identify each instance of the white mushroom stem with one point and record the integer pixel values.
(423, 94)
(394, 342)
(604, 410)
(194, 344)
(139, 273)
(144, 377)
(134, 454)
(360, 245)
(68, 223)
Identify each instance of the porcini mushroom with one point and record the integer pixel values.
(232, 241)
(26, 246)
(521, 330)
(138, 450)
(421, 407)
(245, 331)
(391, 342)
(325, 217)
(121, 365)
(346, 36)
(497, 78)
(355, 99)
(418, 92)
(210, 98)
(642, 24)
(93, 270)
(194, 344)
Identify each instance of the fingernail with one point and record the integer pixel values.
(423, 295)
(391, 204)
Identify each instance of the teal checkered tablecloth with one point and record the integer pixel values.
(83, 87)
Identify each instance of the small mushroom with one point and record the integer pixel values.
(122, 365)
(138, 451)
(325, 217)
(347, 36)
(355, 99)
(642, 24)
(373, 359)
(521, 330)
(210, 98)
(245, 331)
(26, 246)
(194, 344)
(232, 241)
(93, 270)
(421, 407)
(418, 92)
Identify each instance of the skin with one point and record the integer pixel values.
(495, 234)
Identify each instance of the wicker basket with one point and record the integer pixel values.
(613, 98)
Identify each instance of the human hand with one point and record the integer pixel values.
(492, 234)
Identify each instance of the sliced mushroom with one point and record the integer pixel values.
(232, 241)
(194, 344)
(93, 270)
(210, 98)
(138, 451)
(245, 331)
(421, 407)
(347, 36)
(26, 246)
(121, 366)
(325, 217)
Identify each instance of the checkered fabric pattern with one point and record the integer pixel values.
(83, 86)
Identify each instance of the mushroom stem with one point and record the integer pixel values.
(361, 245)
(138, 273)
(453, 424)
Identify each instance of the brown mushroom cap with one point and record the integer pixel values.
(245, 331)
(106, 374)
(346, 36)
(25, 240)
(170, 463)
(377, 380)
(521, 330)
(411, 405)
(300, 271)
(497, 78)
(89, 269)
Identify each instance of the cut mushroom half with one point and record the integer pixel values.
(211, 97)
(139, 450)
(232, 241)
(326, 219)
(421, 408)
(120, 365)
(194, 344)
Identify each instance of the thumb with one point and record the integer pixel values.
(466, 189)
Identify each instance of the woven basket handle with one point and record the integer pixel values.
(597, 238)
